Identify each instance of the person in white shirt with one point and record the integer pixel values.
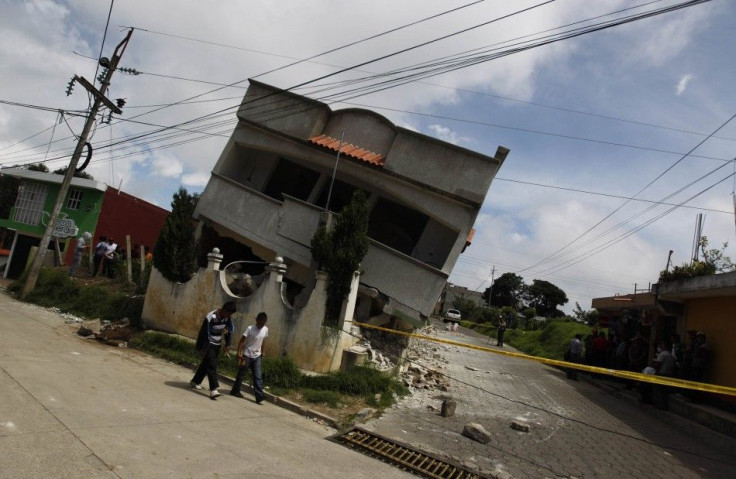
(108, 265)
(250, 353)
(82, 243)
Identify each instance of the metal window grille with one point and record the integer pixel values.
(74, 200)
(29, 203)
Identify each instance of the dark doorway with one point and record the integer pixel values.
(20, 255)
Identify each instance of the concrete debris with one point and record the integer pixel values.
(363, 415)
(117, 331)
(88, 328)
(520, 424)
(476, 432)
(448, 408)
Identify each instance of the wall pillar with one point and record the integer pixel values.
(214, 258)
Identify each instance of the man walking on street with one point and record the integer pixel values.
(250, 353)
(216, 324)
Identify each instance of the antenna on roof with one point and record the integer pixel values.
(334, 172)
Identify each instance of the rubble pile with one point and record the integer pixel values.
(418, 377)
(114, 334)
(424, 359)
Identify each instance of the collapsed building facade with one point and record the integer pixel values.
(280, 173)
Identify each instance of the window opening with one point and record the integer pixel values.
(74, 200)
(29, 203)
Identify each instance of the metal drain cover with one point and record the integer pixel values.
(403, 456)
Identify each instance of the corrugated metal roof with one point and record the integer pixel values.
(349, 150)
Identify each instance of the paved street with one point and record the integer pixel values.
(577, 429)
(71, 408)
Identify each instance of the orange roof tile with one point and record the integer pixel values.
(349, 150)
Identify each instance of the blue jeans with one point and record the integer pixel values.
(254, 364)
(75, 261)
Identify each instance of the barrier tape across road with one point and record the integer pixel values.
(649, 378)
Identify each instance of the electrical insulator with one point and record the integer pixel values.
(101, 76)
(129, 71)
(70, 87)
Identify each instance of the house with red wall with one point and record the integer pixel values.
(124, 214)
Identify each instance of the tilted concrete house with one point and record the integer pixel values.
(271, 184)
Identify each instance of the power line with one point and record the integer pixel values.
(609, 195)
(556, 253)
(626, 20)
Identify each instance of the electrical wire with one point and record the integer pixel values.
(569, 244)
(190, 121)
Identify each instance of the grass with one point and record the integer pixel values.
(549, 342)
(111, 302)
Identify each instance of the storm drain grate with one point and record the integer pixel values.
(406, 458)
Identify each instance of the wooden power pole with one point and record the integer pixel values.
(100, 98)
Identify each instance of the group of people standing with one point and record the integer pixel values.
(106, 256)
(672, 358)
(217, 327)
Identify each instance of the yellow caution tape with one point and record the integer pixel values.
(649, 378)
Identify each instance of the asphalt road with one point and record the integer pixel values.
(72, 408)
(576, 429)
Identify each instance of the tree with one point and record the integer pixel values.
(507, 290)
(545, 297)
(340, 250)
(588, 317)
(716, 257)
(175, 252)
(714, 261)
(77, 174)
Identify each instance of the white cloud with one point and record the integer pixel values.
(446, 134)
(195, 179)
(167, 167)
(618, 73)
(683, 83)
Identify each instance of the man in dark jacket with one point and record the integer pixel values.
(216, 324)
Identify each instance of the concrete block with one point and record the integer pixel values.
(448, 408)
(520, 425)
(476, 432)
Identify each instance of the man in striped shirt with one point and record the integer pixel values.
(216, 324)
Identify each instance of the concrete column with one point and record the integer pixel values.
(214, 258)
(276, 270)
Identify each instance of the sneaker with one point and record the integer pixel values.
(214, 394)
(195, 385)
(259, 401)
(237, 394)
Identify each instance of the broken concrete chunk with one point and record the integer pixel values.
(476, 432)
(448, 408)
(520, 425)
(88, 328)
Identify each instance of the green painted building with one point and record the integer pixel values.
(27, 219)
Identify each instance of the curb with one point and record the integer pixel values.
(707, 425)
(281, 402)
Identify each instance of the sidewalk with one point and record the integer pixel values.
(70, 407)
(707, 416)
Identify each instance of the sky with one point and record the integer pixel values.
(618, 138)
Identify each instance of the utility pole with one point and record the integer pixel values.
(100, 98)
(490, 290)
